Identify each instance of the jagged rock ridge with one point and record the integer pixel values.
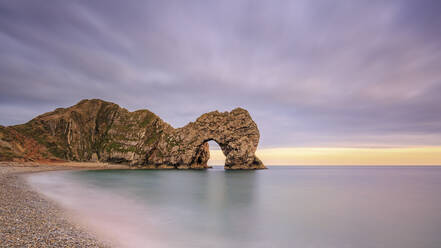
(95, 130)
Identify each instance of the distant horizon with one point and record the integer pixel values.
(323, 165)
(342, 156)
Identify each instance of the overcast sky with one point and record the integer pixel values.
(311, 73)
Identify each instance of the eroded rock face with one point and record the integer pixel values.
(97, 130)
(187, 147)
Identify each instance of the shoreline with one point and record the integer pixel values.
(29, 219)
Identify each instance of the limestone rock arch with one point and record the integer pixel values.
(235, 132)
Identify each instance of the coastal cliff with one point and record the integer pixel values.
(96, 130)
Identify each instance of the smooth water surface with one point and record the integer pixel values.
(323, 207)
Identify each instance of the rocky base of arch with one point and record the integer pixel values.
(255, 165)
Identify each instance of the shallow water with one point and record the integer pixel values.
(323, 207)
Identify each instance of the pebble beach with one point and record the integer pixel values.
(28, 219)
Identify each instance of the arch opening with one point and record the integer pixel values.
(217, 157)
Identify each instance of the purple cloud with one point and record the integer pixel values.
(311, 73)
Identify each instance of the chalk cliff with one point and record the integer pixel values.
(96, 130)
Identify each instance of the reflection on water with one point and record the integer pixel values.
(280, 207)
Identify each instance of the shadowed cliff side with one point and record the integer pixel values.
(96, 130)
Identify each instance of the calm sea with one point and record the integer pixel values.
(316, 207)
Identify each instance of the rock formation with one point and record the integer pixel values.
(97, 130)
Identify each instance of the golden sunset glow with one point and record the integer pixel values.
(343, 156)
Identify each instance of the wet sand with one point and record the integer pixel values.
(28, 219)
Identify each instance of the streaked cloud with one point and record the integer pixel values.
(312, 73)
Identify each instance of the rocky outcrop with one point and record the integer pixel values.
(187, 147)
(97, 130)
